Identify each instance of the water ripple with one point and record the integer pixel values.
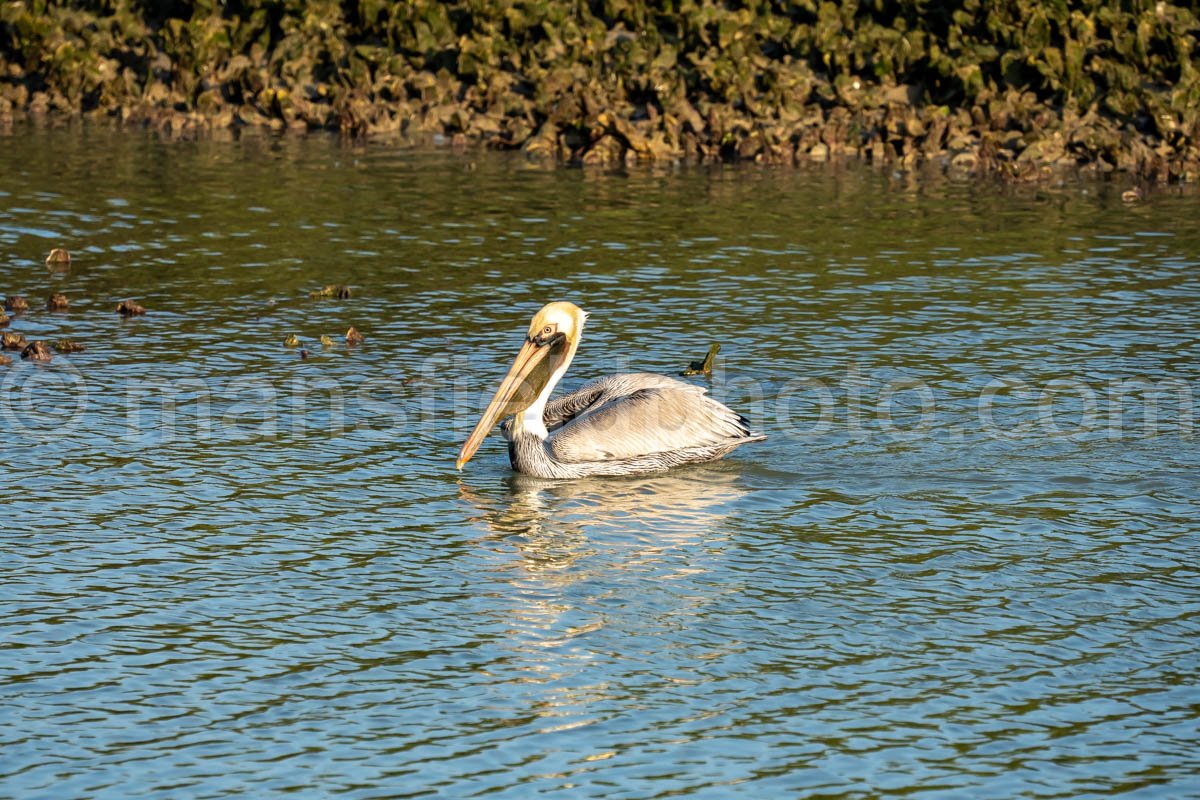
(232, 571)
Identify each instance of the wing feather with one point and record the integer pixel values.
(628, 416)
(566, 408)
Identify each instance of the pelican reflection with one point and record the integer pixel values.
(645, 514)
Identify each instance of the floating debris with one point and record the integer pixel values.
(354, 337)
(37, 351)
(12, 341)
(58, 257)
(705, 366)
(128, 308)
(16, 304)
(58, 302)
(68, 346)
(326, 340)
(292, 340)
(338, 290)
(303, 354)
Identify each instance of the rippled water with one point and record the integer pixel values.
(964, 563)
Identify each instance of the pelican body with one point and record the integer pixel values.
(629, 424)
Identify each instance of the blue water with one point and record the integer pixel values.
(962, 565)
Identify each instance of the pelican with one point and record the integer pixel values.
(630, 424)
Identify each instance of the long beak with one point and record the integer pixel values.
(516, 393)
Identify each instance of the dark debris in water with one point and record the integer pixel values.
(37, 351)
(128, 308)
(333, 290)
(10, 340)
(58, 258)
(705, 365)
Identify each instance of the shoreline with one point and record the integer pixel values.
(1068, 94)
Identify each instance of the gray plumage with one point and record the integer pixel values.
(630, 424)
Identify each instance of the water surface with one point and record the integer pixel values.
(963, 564)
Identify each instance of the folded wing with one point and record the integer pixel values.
(627, 416)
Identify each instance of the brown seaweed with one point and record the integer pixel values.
(58, 258)
(128, 308)
(37, 351)
(705, 365)
(333, 290)
(10, 340)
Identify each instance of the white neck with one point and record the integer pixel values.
(533, 419)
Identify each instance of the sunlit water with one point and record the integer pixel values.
(964, 564)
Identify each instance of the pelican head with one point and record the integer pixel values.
(547, 352)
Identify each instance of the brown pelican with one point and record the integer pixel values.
(618, 425)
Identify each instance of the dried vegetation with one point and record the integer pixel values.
(1016, 87)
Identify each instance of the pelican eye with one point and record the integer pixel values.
(545, 335)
